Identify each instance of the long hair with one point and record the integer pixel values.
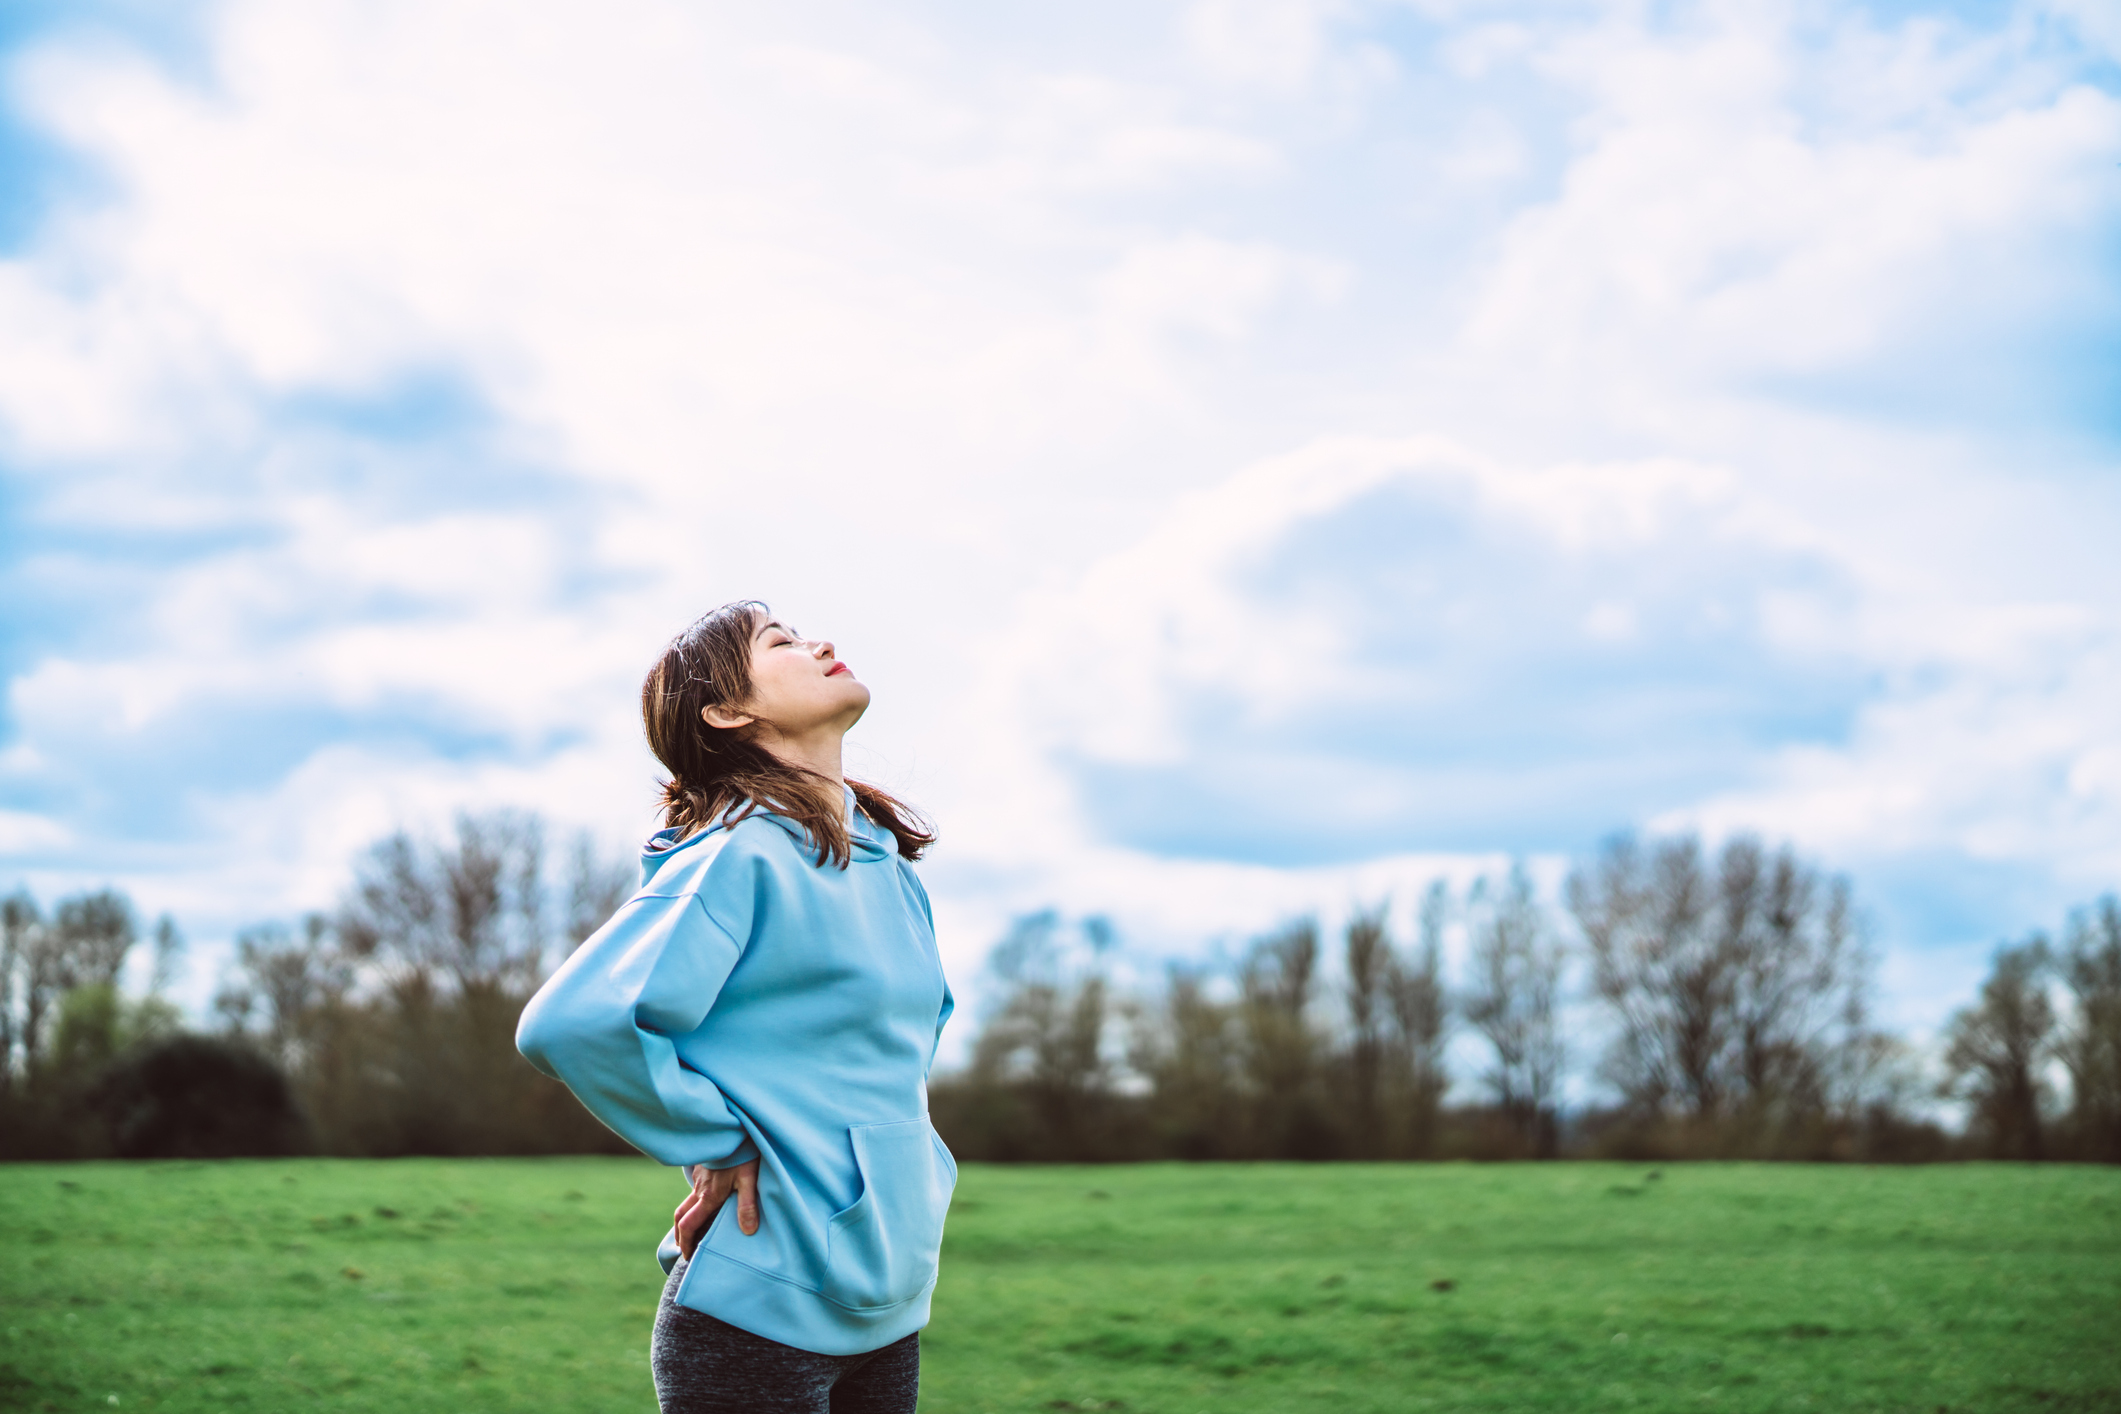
(722, 773)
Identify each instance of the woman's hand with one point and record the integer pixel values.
(710, 1189)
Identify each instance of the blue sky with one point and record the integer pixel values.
(1264, 453)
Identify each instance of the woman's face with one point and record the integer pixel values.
(798, 685)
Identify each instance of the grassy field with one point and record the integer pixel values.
(528, 1285)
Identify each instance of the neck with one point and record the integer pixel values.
(817, 752)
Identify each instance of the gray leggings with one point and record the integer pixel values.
(706, 1366)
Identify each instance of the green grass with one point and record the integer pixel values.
(528, 1285)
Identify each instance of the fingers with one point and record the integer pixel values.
(746, 1178)
(685, 1218)
(710, 1189)
(689, 1225)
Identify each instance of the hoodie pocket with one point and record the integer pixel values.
(883, 1250)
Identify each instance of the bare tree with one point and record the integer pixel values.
(471, 912)
(1050, 1040)
(2091, 1043)
(1281, 1047)
(1654, 961)
(1740, 989)
(1994, 1048)
(44, 983)
(20, 922)
(1370, 966)
(450, 937)
(1050, 1029)
(169, 951)
(1419, 1017)
(288, 982)
(93, 933)
(63, 1017)
(60, 981)
(84, 947)
(1187, 1050)
(1799, 1004)
(596, 887)
(1045, 1043)
(1516, 977)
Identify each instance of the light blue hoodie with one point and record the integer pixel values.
(748, 1003)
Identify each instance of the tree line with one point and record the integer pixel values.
(1707, 1004)
(383, 1027)
(1718, 1005)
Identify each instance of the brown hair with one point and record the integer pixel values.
(722, 773)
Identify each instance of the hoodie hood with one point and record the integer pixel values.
(868, 841)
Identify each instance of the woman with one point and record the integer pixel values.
(764, 1011)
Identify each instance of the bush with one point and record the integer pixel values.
(198, 1097)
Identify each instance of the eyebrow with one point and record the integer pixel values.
(775, 623)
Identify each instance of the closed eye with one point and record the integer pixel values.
(782, 636)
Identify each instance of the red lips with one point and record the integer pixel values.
(836, 669)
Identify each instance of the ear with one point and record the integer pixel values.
(724, 718)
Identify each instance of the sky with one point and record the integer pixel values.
(1263, 454)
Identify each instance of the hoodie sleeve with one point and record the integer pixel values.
(942, 1017)
(605, 1024)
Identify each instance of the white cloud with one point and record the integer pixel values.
(2095, 21)
(1718, 229)
(1277, 43)
(2009, 756)
(1197, 283)
(1185, 609)
(22, 833)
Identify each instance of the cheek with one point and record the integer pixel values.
(780, 684)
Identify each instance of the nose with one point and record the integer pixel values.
(823, 649)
